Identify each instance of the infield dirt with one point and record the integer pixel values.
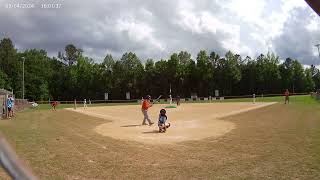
(193, 121)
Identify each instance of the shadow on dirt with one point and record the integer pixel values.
(151, 132)
(132, 125)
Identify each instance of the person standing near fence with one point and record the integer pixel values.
(286, 96)
(145, 106)
(12, 110)
(9, 106)
(178, 100)
(85, 103)
(54, 104)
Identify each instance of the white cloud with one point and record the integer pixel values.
(249, 11)
(314, 24)
(139, 32)
(288, 5)
(154, 29)
(205, 22)
(146, 12)
(277, 19)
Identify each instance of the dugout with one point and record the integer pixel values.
(4, 94)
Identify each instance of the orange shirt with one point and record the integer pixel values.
(145, 105)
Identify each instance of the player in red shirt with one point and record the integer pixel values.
(54, 104)
(286, 95)
(145, 106)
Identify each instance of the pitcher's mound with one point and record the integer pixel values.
(188, 121)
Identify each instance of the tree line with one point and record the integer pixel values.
(71, 75)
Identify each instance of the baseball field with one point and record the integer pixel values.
(235, 139)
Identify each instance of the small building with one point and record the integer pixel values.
(4, 94)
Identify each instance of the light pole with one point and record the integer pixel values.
(318, 46)
(23, 59)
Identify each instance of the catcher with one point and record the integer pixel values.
(162, 121)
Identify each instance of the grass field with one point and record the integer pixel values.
(300, 98)
(274, 142)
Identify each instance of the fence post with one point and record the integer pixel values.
(75, 104)
(6, 106)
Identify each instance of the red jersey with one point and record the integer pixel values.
(54, 103)
(286, 93)
(145, 105)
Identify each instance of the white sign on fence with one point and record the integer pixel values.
(216, 93)
(127, 95)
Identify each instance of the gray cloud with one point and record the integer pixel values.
(297, 41)
(151, 29)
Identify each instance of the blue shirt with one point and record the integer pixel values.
(9, 103)
(162, 119)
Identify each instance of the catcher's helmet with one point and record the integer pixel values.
(163, 111)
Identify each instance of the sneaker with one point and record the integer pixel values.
(151, 123)
(168, 125)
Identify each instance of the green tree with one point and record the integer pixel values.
(309, 83)
(37, 74)
(229, 73)
(269, 76)
(72, 53)
(299, 78)
(8, 57)
(204, 73)
(248, 83)
(184, 61)
(162, 82)
(4, 80)
(133, 73)
(10, 65)
(108, 74)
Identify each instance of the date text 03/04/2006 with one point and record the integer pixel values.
(19, 6)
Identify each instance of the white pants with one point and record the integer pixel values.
(146, 117)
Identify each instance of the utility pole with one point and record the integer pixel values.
(170, 95)
(315, 73)
(23, 59)
(318, 46)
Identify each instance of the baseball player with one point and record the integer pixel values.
(286, 94)
(85, 103)
(54, 104)
(162, 121)
(145, 106)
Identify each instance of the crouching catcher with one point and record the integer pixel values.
(162, 121)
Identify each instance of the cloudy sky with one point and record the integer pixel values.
(156, 29)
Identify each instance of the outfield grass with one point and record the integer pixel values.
(296, 99)
(62, 106)
(276, 142)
